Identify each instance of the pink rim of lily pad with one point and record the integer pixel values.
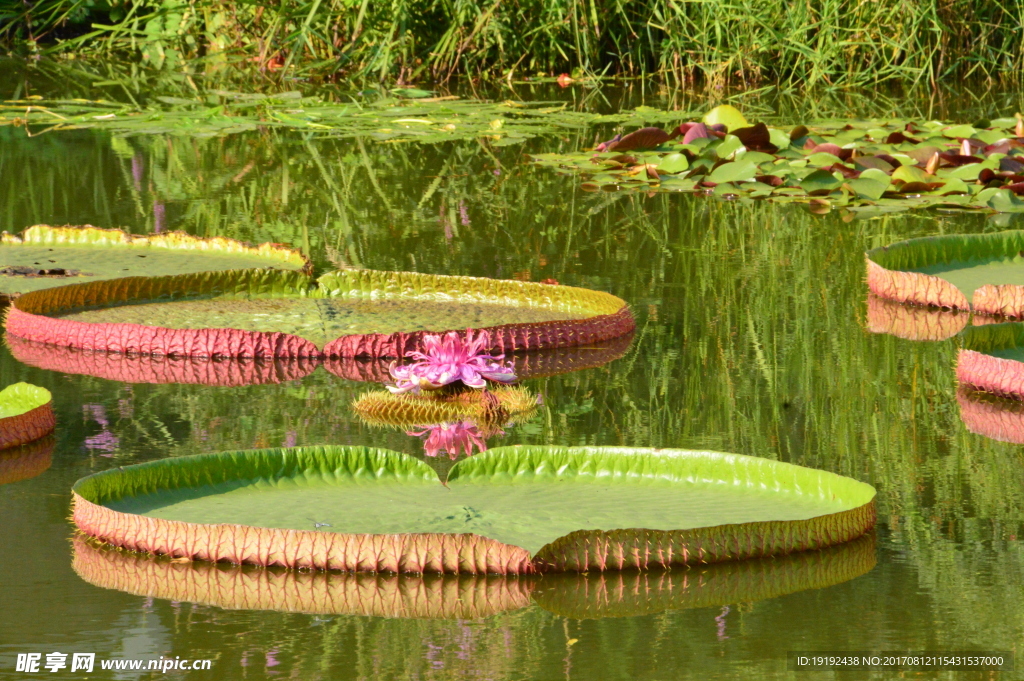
(977, 369)
(991, 417)
(31, 316)
(579, 596)
(32, 422)
(891, 272)
(578, 551)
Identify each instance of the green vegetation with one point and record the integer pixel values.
(711, 41)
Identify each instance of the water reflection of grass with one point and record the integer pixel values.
(750, 339)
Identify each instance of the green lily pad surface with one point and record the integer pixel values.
(44, 256)
(523, 497)
(867, 167)
(19, 398)
(319, 320)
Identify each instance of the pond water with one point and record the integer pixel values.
(751, 338)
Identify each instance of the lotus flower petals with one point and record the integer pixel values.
(450, 359)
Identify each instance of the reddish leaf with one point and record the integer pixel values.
(694, 132)
(1011, 165)
(959, 159)
(1016, 188)
(899, 138)
(756, 138)
(848, 172)
(798, 132)
(644, 138)
(773, 180)
(606, 146)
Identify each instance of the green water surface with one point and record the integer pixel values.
(750, 338)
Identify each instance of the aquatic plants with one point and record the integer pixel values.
(865, 167)
(405, 410)
(450, 360)
(747, 42)
(25, 414)
(26, 461)
(271, 314)
(44, 256)
(598, 488)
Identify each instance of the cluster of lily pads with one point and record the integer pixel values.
(970, 287)
(606, 508)
(867, 167)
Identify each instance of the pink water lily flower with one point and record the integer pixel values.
(453, 438)
(450, 360)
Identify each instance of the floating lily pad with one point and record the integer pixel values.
(355, 508)
(983, 272)
(870, 166)
(272, 313)
(991, 416)
(26, 461)
(44, 257)
(25, 414)
(439, 596)
(913, 322)
(991, 359)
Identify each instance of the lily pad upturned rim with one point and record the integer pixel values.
(89, 235)
(609, 316)
(439, 596)
(29, 414)
(979, 370)
(580, 551)
(889, 275)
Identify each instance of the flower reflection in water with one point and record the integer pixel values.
(454, 439)
(103, 441)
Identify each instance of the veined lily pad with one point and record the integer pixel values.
(44, 256)
(991, 416)
(26, 461)
(271, 313)
(913, 322)
(983, 272)
(991, 359)
(25, 414)
(437, 596)
(510, 510)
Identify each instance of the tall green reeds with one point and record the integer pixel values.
(716, 42)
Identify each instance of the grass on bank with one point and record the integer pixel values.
(715, 42)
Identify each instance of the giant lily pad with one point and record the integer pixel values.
(438, 596)
(44, 256)
(498, 406)
(511, 510)
(25, 414)
(272, 313)
(983, 272)
(992, 359)
(26, 461)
